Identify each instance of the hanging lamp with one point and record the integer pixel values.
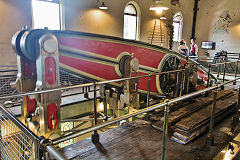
(163, 17)
(103, 6)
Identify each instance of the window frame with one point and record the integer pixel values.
(137, 20)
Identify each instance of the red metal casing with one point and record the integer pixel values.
(31, 105)
(50, 70)
(52, 112)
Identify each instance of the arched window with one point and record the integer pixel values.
(131, 21)
(177, 27)
(47, 14)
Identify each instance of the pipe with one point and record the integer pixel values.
(223, 63)
(165, 134)
(56, 154)
(213, 113)
(157, 106)
(82, 85)
(195, 10)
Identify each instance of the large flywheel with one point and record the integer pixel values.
(170, 82)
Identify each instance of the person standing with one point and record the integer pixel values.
(183, 49)
(193, 48)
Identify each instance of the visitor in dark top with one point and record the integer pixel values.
(183, 49)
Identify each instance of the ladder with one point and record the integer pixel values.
(157, 36)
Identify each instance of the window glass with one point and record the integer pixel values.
(46, 14)
(177, 24)
(130, 27)
(130, 22)
(130, 9)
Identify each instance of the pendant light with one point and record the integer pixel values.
(103, 6)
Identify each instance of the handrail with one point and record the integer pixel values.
(35, 139)
(55, 153)
(157, 106)
(31, 135)
(86, 85)
(223, 63)
(19, 124)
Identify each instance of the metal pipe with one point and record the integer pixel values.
(82, 85)
(56, 154)
(97, 127)
(165, 134)
(148, 93)
(209, 71)
(95, 136)
(76, 120)
(235, 82)
(236, 70)
(187, 77)
(218, 71)
(118, 119)
(239, 97)
(213, 112)
(95, 104)
(224, 73)
(195, 10)
(222, 63)
(36, 149)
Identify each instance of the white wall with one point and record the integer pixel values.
(212, 26)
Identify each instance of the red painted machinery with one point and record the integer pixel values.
(99, 58)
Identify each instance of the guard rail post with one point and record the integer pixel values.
(235, 82)
(210, 138)
(148, 94)
(224, 73)
(165, 133)
(95, 136)
(208, 80)
(218, 68)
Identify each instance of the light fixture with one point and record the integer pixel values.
(158, 5)
(159, 11)
(103, 6)
(163, 17)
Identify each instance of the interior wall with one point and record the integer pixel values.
(216, 21)
(14, 15)
(219, 21)
(84, 16)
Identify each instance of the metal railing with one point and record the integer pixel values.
(221, 70)
(158, 106)
(94, 129)
(8, 75)
(19, 142)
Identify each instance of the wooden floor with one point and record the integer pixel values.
(139, 141)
